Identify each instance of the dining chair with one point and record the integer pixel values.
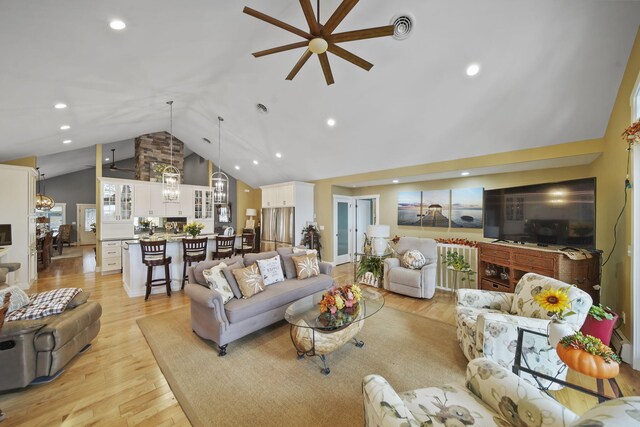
(224, 247)
(248, 244)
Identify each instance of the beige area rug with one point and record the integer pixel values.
(261, 382)
(68, 252)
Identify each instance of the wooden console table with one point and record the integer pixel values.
(515, 261)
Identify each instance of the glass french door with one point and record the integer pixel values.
(342, 228)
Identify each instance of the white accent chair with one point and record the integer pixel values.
(493, 396)
(414, 283)
(487, 324)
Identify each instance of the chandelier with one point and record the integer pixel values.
(43, 202)
(219, 180)
(171, 174)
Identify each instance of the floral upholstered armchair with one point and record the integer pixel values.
(487, 324)
(493, 396)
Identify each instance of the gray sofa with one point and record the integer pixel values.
(224, 323)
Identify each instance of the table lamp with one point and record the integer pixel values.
(250, 222)
(378, 235)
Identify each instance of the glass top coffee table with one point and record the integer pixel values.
(314, 333)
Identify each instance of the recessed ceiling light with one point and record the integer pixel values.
(331, 122)
(60, 106)
(106, 159)
(237, 167)
(117, 24)
(464, 173)
(66, 141)
(65, 127)
(473, 69)
(395, 181)
(279, 155)
(255, 162)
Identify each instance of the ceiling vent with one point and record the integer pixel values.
(262, 108)
(402, 25)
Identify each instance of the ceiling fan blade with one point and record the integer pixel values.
(276, 22)
(305, 57)
(280, 49)
(314, 27)
(348, 56)
(340, 13)
(326, 68)
(368, 33)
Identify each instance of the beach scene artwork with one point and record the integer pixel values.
(466, 208)
(435, 208)
(409, 204)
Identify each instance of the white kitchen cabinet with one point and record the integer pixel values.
(117, 201)
(18, 195)
(279, 195)
(202, 204)
(111, 256)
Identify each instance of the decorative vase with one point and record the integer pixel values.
(558, 329)
(587, 363)
(602, 329)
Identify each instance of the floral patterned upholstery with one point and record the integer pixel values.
(493, 396)
(487, 324)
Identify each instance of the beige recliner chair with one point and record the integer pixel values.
(414, 283)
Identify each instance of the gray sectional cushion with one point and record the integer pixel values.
(203, 265)
(405, 276)
(284, 250)
(275, 296)
(289, 266)
(228, 274)
(250, 259)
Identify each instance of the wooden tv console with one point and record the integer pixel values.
(516, 260)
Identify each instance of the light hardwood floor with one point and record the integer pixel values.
(118, 382)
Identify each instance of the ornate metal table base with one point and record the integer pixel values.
(309, 342)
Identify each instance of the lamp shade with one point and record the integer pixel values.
(251, 212)
(378, 231)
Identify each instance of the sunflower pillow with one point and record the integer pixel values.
(306, 266)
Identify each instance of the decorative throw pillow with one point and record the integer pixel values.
(18, 298)
(228, 274)
(413, 259)
(249, 280)
(304, 251)
(271, 270)
(216, 281)
(306, 266)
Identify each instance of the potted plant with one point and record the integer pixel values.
(370, 264)
(600, 323)
(456, 261)
(588, 355)
(193, 229)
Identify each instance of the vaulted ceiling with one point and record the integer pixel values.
(550, 71)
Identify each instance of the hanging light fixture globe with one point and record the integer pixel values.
(171, 174)
(43, 202)
(219, 180)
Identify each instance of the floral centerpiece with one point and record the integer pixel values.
(588, 355)
(340, 306)
(193, 228)
(556, 302)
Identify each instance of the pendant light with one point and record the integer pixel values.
(43, 202)
(220, 180)
(171, 174)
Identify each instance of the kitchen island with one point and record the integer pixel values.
(134, 272)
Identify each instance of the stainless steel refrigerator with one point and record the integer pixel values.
(278, 228)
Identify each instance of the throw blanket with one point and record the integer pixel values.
(45, 304)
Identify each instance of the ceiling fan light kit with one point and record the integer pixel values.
(321, 38)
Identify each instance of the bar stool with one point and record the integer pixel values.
(193, 250)
(248, 243)
(224, 246)
(154, 254)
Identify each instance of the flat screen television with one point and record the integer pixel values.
(550, 214)
(5, 234)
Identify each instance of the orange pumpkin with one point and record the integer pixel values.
(587, 363)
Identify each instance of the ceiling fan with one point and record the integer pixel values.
(113, 166)
(321, 38)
